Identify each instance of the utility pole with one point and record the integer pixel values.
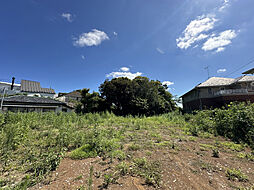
(208, 74)
(1, 108)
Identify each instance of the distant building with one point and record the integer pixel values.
(33, 104)
(71, 96)
(34, 88)
(6, 86)
(30, 88)
(218, 91)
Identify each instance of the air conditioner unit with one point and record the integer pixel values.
(252, 83)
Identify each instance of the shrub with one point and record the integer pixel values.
(235, 174)
(148, 170)
(82, 152)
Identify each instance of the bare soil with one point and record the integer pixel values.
(183, 166)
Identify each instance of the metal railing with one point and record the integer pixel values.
(231, 91)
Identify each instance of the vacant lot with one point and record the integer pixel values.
(99, 151)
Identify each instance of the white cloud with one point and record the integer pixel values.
(195, 31)
(125, 69)
(224, 6)
(221, 70)
(219, 42)
(68, 17)
(124, 74)
(167, 83)
(93, 38)
(160, 51)
(220, 49)
(83, 57)
(115, 33)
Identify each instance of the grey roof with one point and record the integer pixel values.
(250, 71)
(31, 99)
(246, 79)
(216, 81)
(74, 94)
(32, 86)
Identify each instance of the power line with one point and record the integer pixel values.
(239, 68)
(208, 73)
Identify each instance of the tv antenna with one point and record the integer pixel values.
(207, 68)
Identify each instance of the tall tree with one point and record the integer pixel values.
(139, 96)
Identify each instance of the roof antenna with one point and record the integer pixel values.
(208, 74)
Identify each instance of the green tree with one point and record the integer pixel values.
(139, 96)
(92, 102)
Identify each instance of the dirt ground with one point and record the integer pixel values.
(185, 166)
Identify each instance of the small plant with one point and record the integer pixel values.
(120, 155)
(82, 152)
(108, 179)
(247, 156)
(215, 153)
(78, 177)
(232, 146)
(123, 168)
(82, 187)
(133, 147)
(148, 170)
(235, 174)
(90, 180)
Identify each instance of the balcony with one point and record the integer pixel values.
(231, 92)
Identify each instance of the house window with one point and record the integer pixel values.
(209, 91)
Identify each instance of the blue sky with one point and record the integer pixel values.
(70, 45)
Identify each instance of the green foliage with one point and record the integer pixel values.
(236, 122)
(148, 170)
(120, 155)
(85, 151)
(247, 156)
(1, 119)
(215, 153)
(123, 168)
(133, 147)
(139, 96)
(91, 102)
(108, 179)
(90, 180)
(235, 174)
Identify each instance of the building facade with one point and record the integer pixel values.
(217, 92)
(30, 88)
(33, 104)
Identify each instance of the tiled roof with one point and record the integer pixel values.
(32, 86)
(216, 81)
(31, 99)
(74, 94)
(246, 79)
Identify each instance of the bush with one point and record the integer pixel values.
(235, 174)
(85, 151)
(236, 122)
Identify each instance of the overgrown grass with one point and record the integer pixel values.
(235, 121)
(33, 144)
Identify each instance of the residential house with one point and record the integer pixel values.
(217, 92)
(6, 87)
(30, 88)
(33, 88)
(24, 103)
(71, 96)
